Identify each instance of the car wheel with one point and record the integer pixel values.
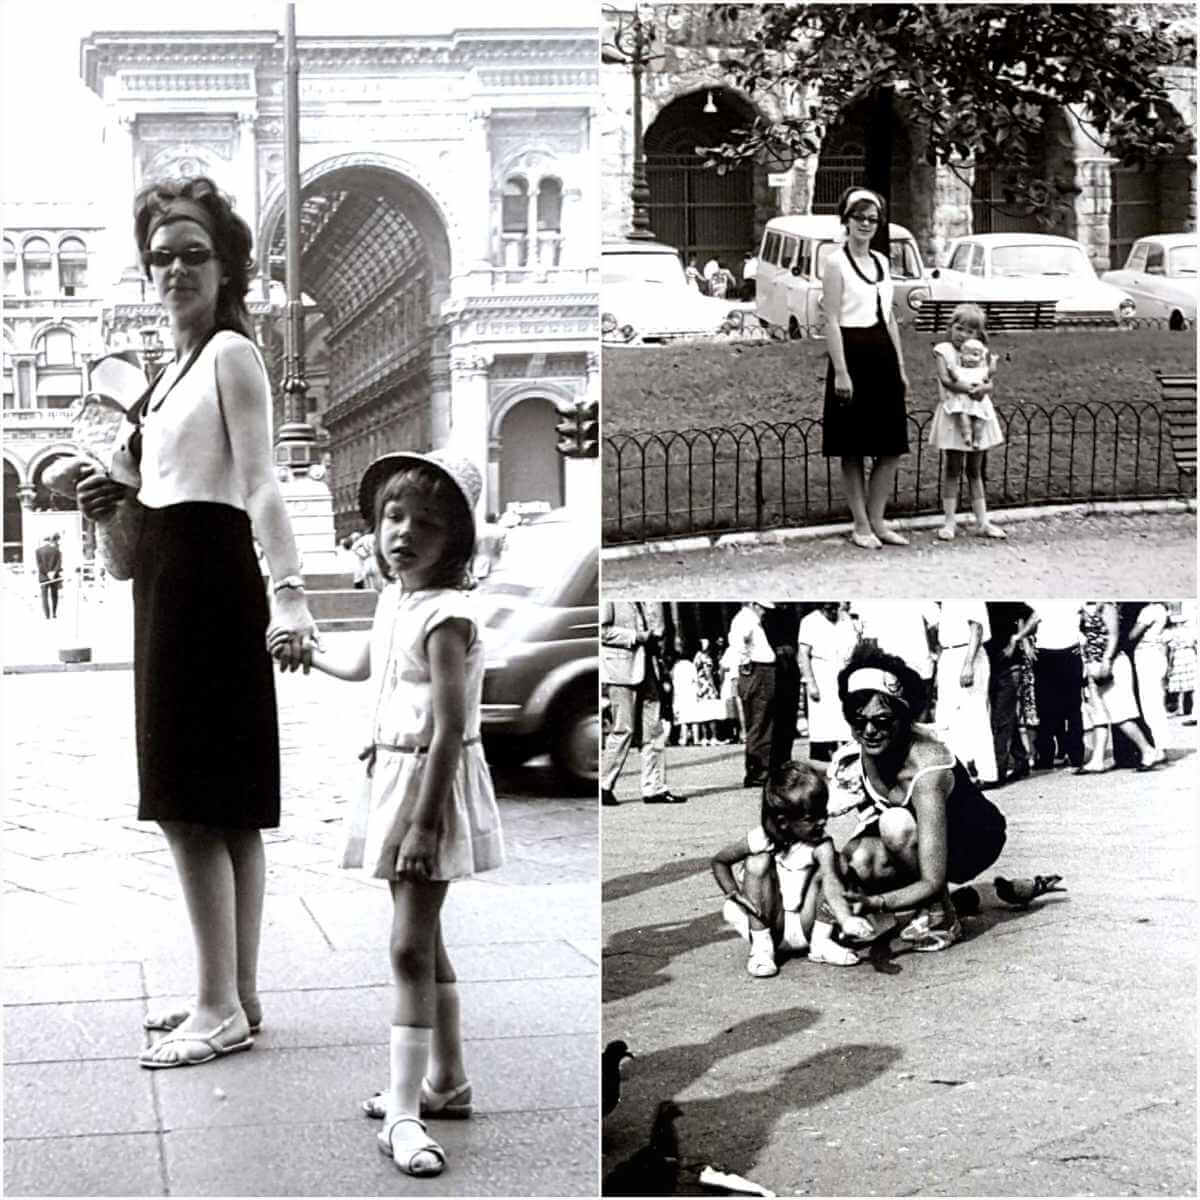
(1177, 322)
(794, 332)
(575, 744)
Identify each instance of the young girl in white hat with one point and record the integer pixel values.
(431, 813)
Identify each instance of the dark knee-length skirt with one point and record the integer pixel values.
(875, 422)
(207, 729)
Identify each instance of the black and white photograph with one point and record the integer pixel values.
(917, 915)
(301, 381)
(903, 288)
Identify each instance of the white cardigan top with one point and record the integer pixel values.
(859, 309)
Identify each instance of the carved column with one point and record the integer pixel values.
(245, 171)
(469, 412)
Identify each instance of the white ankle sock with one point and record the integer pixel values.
(409, 1054)
(761, 942)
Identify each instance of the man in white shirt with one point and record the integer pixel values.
(756, 686)
(1058, 679)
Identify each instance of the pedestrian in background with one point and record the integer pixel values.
(1059, 683)
(1109, 702)
(961, 712)
(1181, 653)
(204, 696)
(827, 637)
(50, 569)
(706, 688)
(429, 815)
(755, 659)
(630, 633)
(1010, 623)
(1147, 639)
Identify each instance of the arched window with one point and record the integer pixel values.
(56, 348)
(72, 266)
(549, 222)
(38, 268)
(516, 206)
(10, 268)
(514, 223)
(549, 206)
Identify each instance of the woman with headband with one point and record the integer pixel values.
(207, 730)
(927, 824)
(865, 383)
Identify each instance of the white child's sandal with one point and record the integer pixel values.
(761, 964)
(405, 1141)
(825, 950)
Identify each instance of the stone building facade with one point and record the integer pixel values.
(447, 228)
(53, 327)
(689, 100)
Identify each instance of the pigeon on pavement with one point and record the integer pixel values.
(614, 1055)
(1020, 893)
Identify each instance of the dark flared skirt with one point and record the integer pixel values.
(207, 729)
(874, 423)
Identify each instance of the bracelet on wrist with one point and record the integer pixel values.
(291, 582)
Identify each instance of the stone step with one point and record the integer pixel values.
(346, 602)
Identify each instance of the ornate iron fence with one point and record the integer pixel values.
(767, 475)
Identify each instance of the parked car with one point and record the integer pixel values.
(541, 637)
(1030, 266)
(792, 258)
(1160, 274)
(645, 297)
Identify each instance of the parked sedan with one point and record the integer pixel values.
(1160, 274)
(645, 298)
(1030, 266)
(541, 637)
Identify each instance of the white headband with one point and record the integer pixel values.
(860, 194)
(874, 679)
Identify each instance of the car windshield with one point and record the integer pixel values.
(1182, 261)
(1041, 260)
(535, 559)
(642, 268)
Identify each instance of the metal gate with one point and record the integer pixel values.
(702, 214)
(991, 212)
(836, 173)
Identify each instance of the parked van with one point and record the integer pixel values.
(792, 257)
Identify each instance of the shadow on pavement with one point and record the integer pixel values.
(629, 885)
(729, 1131)
(635, 960)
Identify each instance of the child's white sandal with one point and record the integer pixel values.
(419, 1155)
(761, 964)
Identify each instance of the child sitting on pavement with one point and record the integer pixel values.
(781, 881)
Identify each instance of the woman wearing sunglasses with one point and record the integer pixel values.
(865, 383)
(207, 731)
(926, 822)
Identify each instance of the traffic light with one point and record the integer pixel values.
(587, 438)
(579, 431)
(566, 434)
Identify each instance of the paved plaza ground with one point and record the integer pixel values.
(1052, 1052)
(1067, 554)
(95, 935)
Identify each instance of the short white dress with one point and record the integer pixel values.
(470, 839)
(944, 431)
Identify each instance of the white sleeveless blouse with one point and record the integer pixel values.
(186, 452)
(859, 309)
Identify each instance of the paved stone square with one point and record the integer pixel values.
(1051, 1052)
(96, 934)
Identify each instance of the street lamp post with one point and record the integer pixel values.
(294, 447)
(631, 44)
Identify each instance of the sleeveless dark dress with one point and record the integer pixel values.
(875, 422)
(207, 729)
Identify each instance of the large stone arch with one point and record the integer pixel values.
(701, 212)
(14, 515)
(376, 248)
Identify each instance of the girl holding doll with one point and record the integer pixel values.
(431, 814)
(964, 425)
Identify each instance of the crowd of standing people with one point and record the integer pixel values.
(1011, 687)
